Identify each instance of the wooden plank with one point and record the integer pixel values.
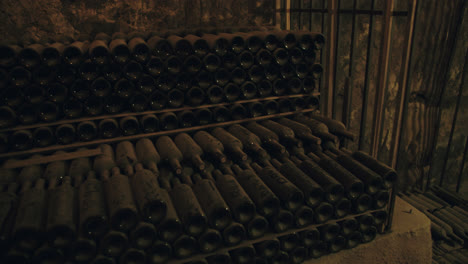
(101, 117)
(330, 67)
(403, 84)
(138, 136)
(288, 15)
(11, 164)
(382, 82)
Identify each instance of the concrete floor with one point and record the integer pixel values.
(409, 242)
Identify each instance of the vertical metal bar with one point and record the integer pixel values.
(335, 59)
(382, 83)
(347, 111)
(454, 121)
(404, 82)
(365, 92)
(462, 165)
(330, 81)
(288, 14)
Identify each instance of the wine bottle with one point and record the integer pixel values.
(188, 207)
(296, 55)
(337, 244)
(246, 59)
(169, 153)
(256, 109)
(138, 102)
(186, 119)
(34, 94)
(101, 87)
(238, 112)
(232, 145)
(342, 208)
(267, 137)
(329, 232)
(281, 56)
(157, 100)
(180, 45)
(184, 246)
(86, 131)
(203, 116)
(119, 50)
(119, 197)
(190, 150)
(43, 136)
(79, 89)
(221, 114)
(7, 116)
(160, 47)
(48, 254)
(4, 144)
(265, 200)
(44, 75)
(287, 39)
(173, 65)
(243, 255)
(230, 60)
(287, 71)
(200, 45)
(219, 258)
(30, 173)
(99, 52)
(300, 130)
(381, 199)
(22, 140)
(129, 125)
(143, 235)
(175, 98)
(249, 90)
(234, 234)
(149, 123)
(253, 42)
(88, 70)
(57, 93)
(210, 145)
(73, 53)
(93, 221)
(333, 189)
(124, 88)
(256, 73)
(236, 42)
(303, 216)
(61, 226)
(78, 169)
(334, 126)
(264, 57)
(94, 106)
(8, 205)
(353, 186)
(286, 134)
(20, 77)
(283, 221)
(238, 75)
(108, 128)
(29, 221)
(101, 259)
(319, 129)
(147, 154)
(139, 50)
(159, 252)
(268, 248)
(104, 161)
(192, 64)
(213, 204)
(112, 72)
(55, 172)
(232, 92)
(249, 140)
(113, 244)
(388, 174)
(8, 54)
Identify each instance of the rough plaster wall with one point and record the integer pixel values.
(35, 20)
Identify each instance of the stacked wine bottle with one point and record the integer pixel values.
(277, 190)
(47, 87)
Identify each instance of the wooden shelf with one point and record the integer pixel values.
(101, 117)
(54, 148)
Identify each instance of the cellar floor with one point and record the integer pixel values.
(408, 242)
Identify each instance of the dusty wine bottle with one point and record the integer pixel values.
(48, 254)
(88, 70)
(139, 49)
(147, 154)
(99, 52)
(143, 235)
(238, 112)
(232, 145)
(232, 92)
(43, 136)
(169, 121)
(86, 131)
(188, 207)
(22, 140)
(300, 130)
(221, 114)
(169, 153)
(129, 125)
(108, 128)
(119, 50)
(113, 104)
(285, 133)
(55, 171)
(213, 204)
(342, 208)
(184, 246)
(249, 90)
(94, 106)
(125, 157)
(72, 108)
(190, 150)
(20, 77)
(268, 137)
(266, 201)
(181, 46)
(318, 128)
(256, 109)
(43, 75)
(268, 248)
(388, 174)
(149, 123)
(101, 87)
(283, 221)
(113, 244)
(160, 47)
(249, 140)
(209, 241)
(210, 145)
(233, 234)
(160, 252)
(29, 222)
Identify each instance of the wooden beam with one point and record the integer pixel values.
(11, 164)
(288, 15)
(403, 83)
(382, 82)
(330, 60)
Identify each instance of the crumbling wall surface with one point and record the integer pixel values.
(36, 20)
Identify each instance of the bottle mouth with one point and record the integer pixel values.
(348, 226)
(271, 107)
(354, 239)
(299, 254)
(380, 217)
(324, 212)
(170, 230)
(289, 41)
(281, 56)
(304, 216)
(210, 241)
(204, 116)
(28, 239)
(366, 222)
(215, 94)
(158, 100)
(196, 225)
(338, 244)
(221, 114)
(289, 242)
(270, 207)
(169, 122)
(374, 185)
(356, 190)
(270, 248)
(72, 55)
(124, 220)
(62, 236)
(155, 211)
(101, 87)
(144, 237)
(173, 65)
(369, 234)
(296, 55)
(389, 179)
(21, 140)
(342, 208)
(257, 227)
(310, 237)
(232, 92)
(295, 85)
(114, 245)
(284, 221)
(363, 203)
(201, 47)
(121, 54)
(234, 235)
(184, 246)
(238, 112)
(87, 131)
(160, 252)
(85, 250)
(187, 119)
(249, 90)
(381, 199)
(155, 66)
(331, 231)
(222, 77)
(95, 226)
(141, 52)
(295, 200)
(43, 137)
(7, 55)
(319, 250)
(238, 44)
(221, 218)
(99, 55)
